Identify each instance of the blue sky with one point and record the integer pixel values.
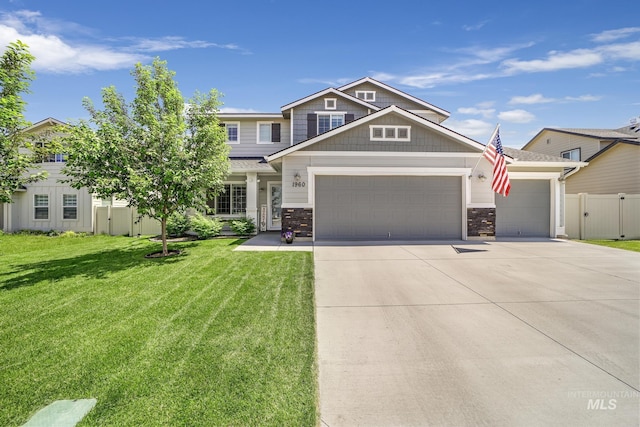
(525, 65)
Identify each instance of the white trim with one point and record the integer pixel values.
(365, 93)
(291, 128)
(408, 154)
(384, 136)
(392, 109)
(297, 205)
(270, 184)
(481, 205)
(258, 133)
(227, 131)
(397, 92)
(330, 114)
(328, 101)
(250, 116)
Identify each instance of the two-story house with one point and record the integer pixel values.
(364, 161)
(613, 156)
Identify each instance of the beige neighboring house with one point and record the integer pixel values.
(49, 204)
(613, 156)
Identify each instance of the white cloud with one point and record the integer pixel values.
(470, 127)
(477, 111)
(56, 54)
(578, 58)
(536, 98)
(475, 27)
(516, 116)
(583, 98)
(612, 35)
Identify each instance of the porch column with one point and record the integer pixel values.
(252, 197)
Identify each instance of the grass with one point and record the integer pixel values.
(211, 337)
(629, 245)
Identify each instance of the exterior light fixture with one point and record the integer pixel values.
(482, 177)
(297, 177)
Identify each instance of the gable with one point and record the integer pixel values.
(421, 138)
(554, 143)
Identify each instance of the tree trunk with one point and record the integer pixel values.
(165, 251)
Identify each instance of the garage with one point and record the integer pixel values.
(388, 207)
(526, 212)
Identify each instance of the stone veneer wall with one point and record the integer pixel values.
(481, 222)
(300, 220)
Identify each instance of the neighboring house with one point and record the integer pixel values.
(368, 161)
(48, 204)
(613, 156)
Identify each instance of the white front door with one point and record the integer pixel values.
(274, 221)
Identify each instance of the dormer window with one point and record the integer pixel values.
(330, 103)
(366, 95)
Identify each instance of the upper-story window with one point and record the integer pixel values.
(268, 132)
(46, 157)
(366, 95)
(233, 132)
(326, 122)
(390, 133)
(573, 154)
(330, 103)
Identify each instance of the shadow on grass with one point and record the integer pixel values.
(94, 265)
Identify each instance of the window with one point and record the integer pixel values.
(330, 103)
(268, 132)
(232, 202)
(367, 95)
(390, 133)
(327, 122)
(233, 132)
(69, 206)
(571, 154)
(46, 157)
(41, 205)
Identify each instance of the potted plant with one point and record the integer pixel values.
(288, 236)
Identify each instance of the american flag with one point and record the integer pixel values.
(494, 153)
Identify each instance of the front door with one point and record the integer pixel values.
(275, 202)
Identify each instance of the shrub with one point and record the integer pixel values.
(242, 226)
(68, 233)
(178, 224)
(205, 227)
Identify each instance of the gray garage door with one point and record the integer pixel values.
(388, 208)
(526, 212)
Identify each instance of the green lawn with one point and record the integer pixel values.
(211, 337)
(629, 245)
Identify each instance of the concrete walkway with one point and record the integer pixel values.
(500, 333)
(271, 241)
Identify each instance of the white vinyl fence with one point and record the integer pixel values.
(119, 221)
(602, 216)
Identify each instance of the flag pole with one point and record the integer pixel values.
(493, 135)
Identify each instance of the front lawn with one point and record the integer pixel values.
(211, 337)
(629, 245)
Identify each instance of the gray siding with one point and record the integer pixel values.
(422, 139)
(300, 112)
(248, 138)
(385, 98)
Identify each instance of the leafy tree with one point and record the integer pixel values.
(157, 153)
(16, 152)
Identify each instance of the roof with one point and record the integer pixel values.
(50, 121)
(362, 120)
(600, 134)
(327, 92)
(610, 146)
(521, 156)
(250, 164)
(396, 91)
(249, 115)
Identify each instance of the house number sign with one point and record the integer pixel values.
(299, 184)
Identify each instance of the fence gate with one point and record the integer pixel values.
(603, 216)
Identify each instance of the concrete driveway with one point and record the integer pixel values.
(498, 333)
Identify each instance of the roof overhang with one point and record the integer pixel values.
(366, 119)
(330, 91)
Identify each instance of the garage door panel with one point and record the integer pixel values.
(383, 207)
(526, 212)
